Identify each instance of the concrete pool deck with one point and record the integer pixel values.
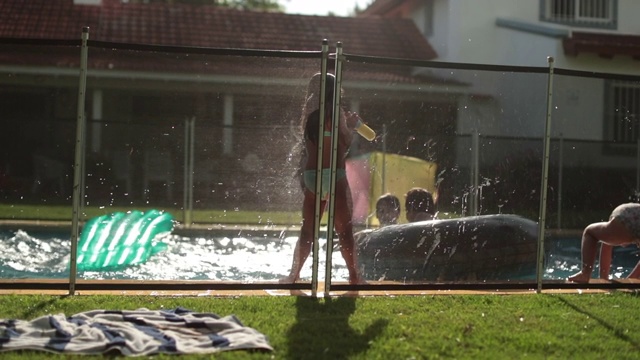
(222, 289)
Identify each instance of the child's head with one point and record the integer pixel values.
(419, 205)
(313, 91)
(388, 209)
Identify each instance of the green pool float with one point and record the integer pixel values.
(118, 240)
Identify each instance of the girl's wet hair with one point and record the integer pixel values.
(312, 100)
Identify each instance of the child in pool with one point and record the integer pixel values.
(419, 205)
(622, 229)
(388, 209)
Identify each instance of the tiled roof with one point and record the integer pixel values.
(210, 26)
(604, 45)
(381, 7)
(45, 19)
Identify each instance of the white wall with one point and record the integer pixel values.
(465, 31)
(439, 39)
(571, 116)
(628, 12)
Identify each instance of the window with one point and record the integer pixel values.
(582, 13)
(623, 111)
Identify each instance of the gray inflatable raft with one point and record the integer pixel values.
(477, 248)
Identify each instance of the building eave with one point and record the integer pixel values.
(606, 46)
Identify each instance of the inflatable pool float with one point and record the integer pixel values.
(477, 248)
(117, 240)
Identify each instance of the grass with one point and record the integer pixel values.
(536, 326)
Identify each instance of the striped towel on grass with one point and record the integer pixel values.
(131, 333)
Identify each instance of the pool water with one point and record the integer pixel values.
(220, 258)
(563, 259)
(46, 255)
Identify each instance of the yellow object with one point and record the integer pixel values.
(365, 131)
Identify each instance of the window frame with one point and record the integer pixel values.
(623, 144)
(581, 21)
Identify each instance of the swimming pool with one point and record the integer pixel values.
(44, 254)
(563, 259)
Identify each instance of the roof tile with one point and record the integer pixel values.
(210, 26)
(605, 45)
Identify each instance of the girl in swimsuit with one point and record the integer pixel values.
(343, 206)
(622, 229)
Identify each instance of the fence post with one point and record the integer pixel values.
(189, 135)
(560, 167)
(637, 190)
(78, 167)
(545, 178)
(474, 197)
(317, 217)
(335, 122)
(384, 159)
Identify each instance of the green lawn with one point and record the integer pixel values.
(533, 326)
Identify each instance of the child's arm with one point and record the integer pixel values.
(606, 251)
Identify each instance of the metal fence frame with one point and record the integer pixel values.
(85, 44)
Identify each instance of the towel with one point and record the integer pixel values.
(131, 333)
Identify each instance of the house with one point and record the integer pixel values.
(595, 45)
(600, 36)
(140, 100)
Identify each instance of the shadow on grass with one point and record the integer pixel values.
(322, 330)
(617, 332)
(30, 312)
